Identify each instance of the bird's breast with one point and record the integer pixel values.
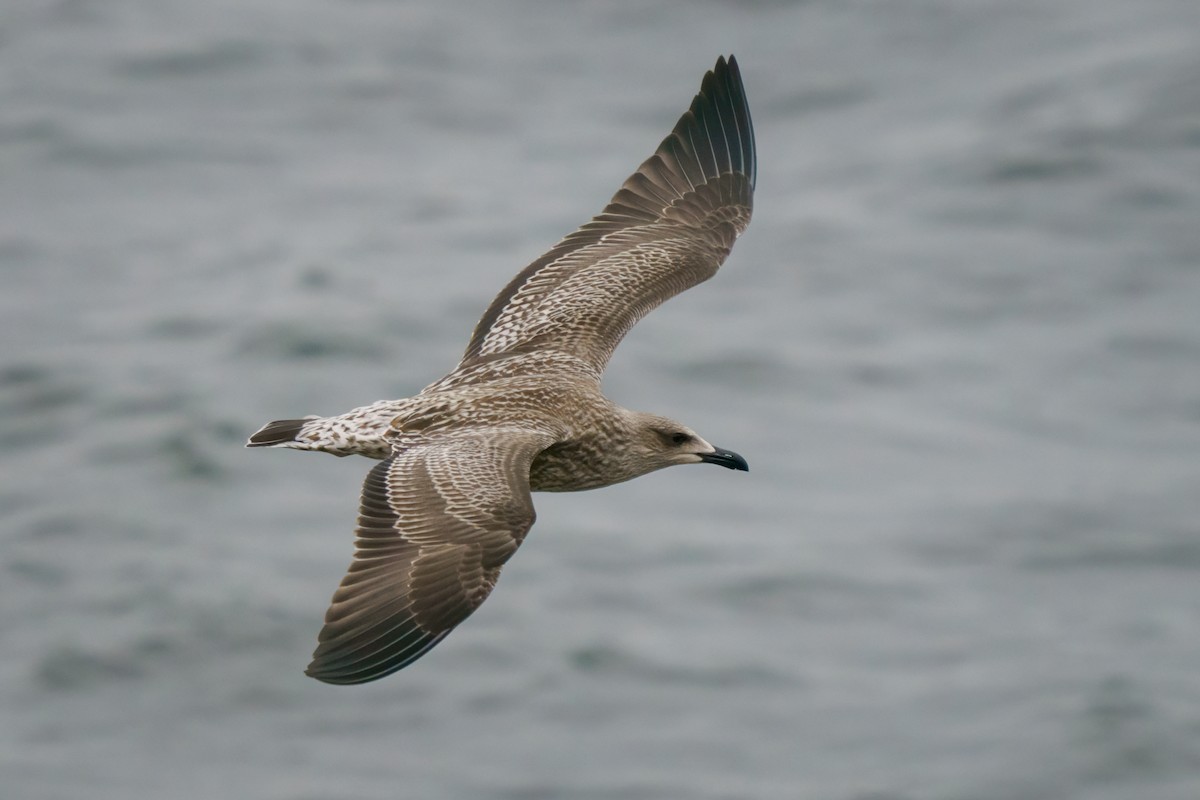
(574, 466)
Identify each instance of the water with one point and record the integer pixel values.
(959, 346)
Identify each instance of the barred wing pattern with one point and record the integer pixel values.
(668, 228)
(438, 519)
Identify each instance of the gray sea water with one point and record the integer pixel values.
(959, 345)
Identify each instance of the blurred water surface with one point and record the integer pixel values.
(959, 346)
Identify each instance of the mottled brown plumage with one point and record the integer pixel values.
(450, 501)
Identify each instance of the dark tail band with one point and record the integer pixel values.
(280, 431)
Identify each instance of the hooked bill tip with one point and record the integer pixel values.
(725, 458)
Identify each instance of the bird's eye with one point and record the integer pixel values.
(680, 438)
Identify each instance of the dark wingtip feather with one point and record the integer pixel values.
(280, 431)
(335, 671)
(720, 118)
(741, 109)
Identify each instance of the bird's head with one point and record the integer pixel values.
(661, 442)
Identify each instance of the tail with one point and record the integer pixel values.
(363, 432)
(278, 433)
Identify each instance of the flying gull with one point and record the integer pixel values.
(449, 501)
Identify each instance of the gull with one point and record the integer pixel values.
(449, 501)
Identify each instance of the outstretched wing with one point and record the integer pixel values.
(437, 522)
(668, 228)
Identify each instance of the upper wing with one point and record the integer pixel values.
(437, 522)
(668, 228)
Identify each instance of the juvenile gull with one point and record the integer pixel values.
(449, 502)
